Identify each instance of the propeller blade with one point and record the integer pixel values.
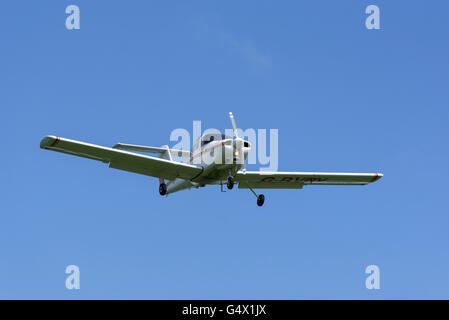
(233, 124)
(242, 155)
(239, 143)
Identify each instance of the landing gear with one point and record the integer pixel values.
(230, 182)
(260, 197)
(260, 200)
(162, 189)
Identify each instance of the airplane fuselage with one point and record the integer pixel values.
(217, 159)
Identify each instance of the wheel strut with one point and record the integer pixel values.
(260, 197)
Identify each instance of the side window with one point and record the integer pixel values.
(207, 139)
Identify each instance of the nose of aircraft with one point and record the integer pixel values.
(245, 143)
(241, 146)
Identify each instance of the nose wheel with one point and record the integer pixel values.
(162, 189)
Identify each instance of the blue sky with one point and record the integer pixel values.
(344, 98)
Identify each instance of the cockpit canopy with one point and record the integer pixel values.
(207, 138)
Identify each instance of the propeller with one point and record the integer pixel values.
(239, 143)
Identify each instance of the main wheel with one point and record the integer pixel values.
(230, 183)
(260, 200)
(162, 189)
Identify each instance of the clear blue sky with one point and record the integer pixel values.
(343, 98)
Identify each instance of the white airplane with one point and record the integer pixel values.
(225, 164)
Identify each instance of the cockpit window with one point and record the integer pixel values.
(207, 138)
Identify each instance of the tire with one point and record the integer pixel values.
(162, 189)
(230, 183)
(260, 200)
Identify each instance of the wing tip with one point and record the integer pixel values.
(49, 141)
(377, 176)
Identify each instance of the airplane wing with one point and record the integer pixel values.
(123, 160)
(296, 180)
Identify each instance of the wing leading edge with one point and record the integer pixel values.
(145, 149)
(123, 160)
(296, 180)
